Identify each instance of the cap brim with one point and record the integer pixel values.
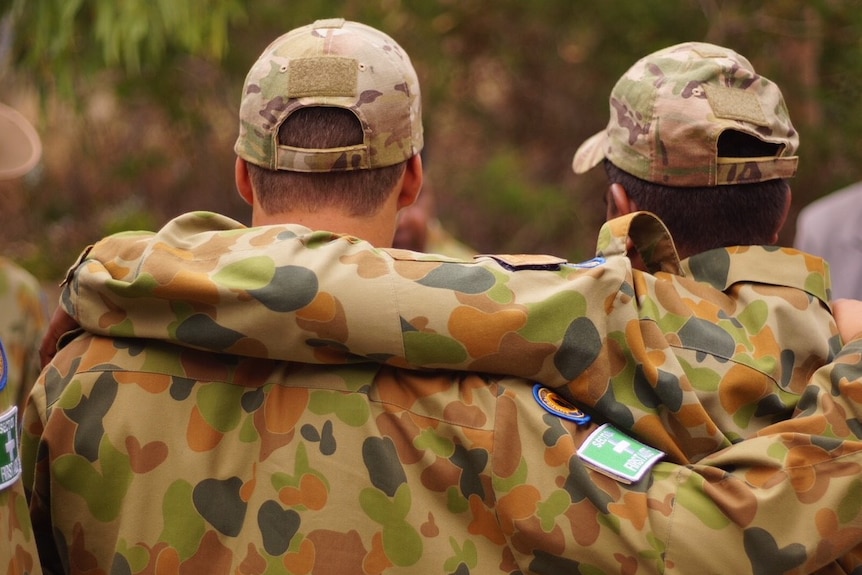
(590, 153)
(20, 147)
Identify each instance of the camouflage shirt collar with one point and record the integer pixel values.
(778, 266)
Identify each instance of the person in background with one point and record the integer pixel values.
(22, 299)
(23, 319)
(829, 228)
(420, 230)
(394, 470)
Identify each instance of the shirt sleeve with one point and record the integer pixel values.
(780, 502)
(35, 461)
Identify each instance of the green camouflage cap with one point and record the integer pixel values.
(669, 109)
(340, 64)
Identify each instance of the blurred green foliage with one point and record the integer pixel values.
(62, 43)
(138, 100)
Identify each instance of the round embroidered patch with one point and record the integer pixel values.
(558, 405)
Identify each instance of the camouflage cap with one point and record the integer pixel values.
(20, 147)
(340, 64)
(669, 109)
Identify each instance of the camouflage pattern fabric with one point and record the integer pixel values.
(260, 465)
(22, 323)
(18, 555)
(691, 359)
(668, 111)
(146, 457)
(332, 63)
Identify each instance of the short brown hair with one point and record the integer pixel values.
(361, 192)
(705, 218)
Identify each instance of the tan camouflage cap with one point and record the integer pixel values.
(668, 110)
(332, 63)
(20, 147)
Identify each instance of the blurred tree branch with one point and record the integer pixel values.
(63, 44)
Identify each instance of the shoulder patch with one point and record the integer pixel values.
(10, 461)
(617, 455)
(558, 405)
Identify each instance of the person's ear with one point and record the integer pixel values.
(411, 182)
(243, 181)
(619, 202)
(787, 200)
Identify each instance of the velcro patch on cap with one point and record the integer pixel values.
(735, 104)
(329, 76)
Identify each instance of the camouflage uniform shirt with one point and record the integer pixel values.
(691, 358)
(22, 322)
(18, 554)
(147, 457)
(142, 454)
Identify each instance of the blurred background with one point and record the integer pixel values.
(136, 103)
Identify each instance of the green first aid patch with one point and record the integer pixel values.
(10, 462)
(617, 455)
